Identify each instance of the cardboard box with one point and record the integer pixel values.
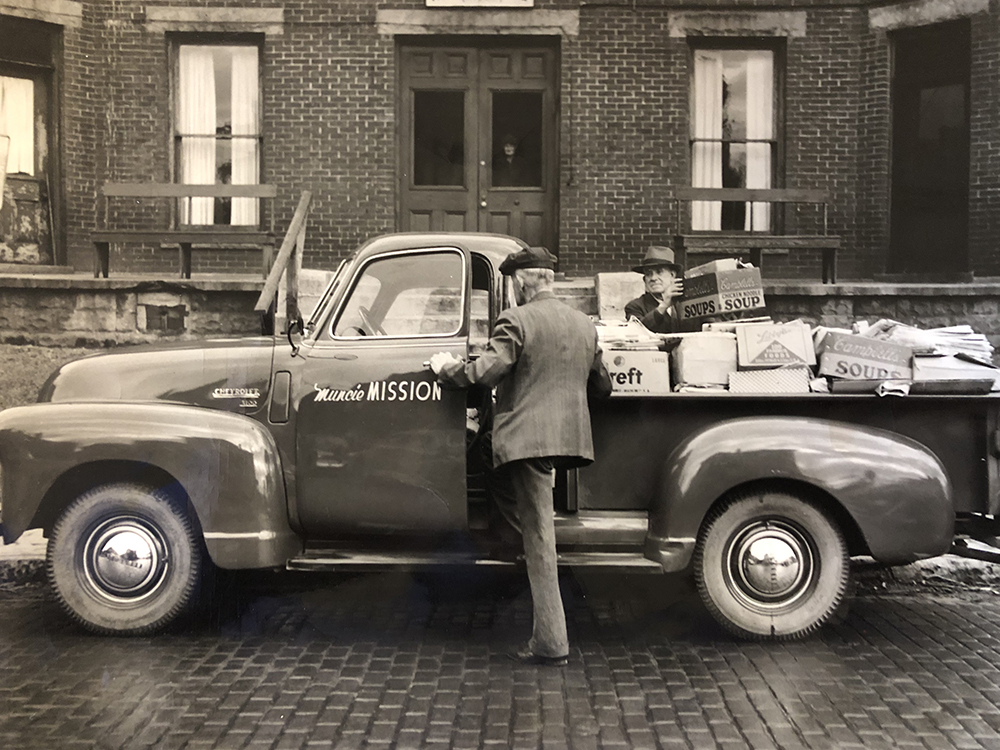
(783, 380)
(950, 367)
(638, 372)
(715, 266)
(732, 294)
(860, 358)
(704, 359)
(762, 346)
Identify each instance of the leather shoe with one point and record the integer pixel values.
(527, 656)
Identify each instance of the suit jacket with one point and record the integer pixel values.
(540, 357)
(644, 308)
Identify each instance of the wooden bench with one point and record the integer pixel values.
(756, 244)
(190, 237)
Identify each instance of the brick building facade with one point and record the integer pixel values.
(355, 95)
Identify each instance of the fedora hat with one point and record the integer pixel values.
(529, 257)
(656, 257)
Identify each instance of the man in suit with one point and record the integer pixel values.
(540, 356)
(662, 277)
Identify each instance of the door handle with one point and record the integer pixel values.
(346, 357)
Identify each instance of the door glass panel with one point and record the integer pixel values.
(438, 137)
(411, 295)
(517, 139)
(941, 137)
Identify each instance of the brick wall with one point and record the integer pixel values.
(625, 130)
(330, 117)
(624, 137)
(872, 201)
(984, 154)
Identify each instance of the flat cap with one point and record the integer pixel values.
(529, 257)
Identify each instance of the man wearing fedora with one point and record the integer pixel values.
(540, 356)
(662, 277)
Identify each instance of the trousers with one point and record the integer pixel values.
(531, 482)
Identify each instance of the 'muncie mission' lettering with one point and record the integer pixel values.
(383, 390)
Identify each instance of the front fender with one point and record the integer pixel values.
(895, 489)
(228, 465)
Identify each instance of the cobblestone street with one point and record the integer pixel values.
(391, 660)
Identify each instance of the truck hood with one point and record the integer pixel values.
(229, 374)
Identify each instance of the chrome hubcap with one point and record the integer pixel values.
(125, 558)
(770, 564)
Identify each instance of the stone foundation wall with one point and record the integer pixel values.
(84, 311)
(91, 312)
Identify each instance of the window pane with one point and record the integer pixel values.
(218, 121)
(732, 124)
(351, 323)
(412, 295)
(517, 139)
(17, 115)
(438, 138)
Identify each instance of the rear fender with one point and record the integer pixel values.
(227, 465)
(894, 489)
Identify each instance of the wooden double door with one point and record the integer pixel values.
(478, 140)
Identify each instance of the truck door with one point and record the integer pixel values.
(380, 445)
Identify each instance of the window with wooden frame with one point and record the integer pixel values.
(734, 132)
(217, 127)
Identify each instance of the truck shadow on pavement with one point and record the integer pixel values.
(460, 603)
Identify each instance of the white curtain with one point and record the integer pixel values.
(196, 121)
(760, 124)
(17, 120)
(246, 119)
(706, 158)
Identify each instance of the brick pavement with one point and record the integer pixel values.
(384, 661)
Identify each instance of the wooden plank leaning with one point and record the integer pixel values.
(292, 247)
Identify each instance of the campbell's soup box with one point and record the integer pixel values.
(850, 357)
(723, 294)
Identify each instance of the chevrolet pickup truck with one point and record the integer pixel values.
(332, 447)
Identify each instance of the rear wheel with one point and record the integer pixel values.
(123, 559)
(770, 565)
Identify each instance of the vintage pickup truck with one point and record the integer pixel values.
(333, 447)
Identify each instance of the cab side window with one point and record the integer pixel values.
(481, 317)
(413, 294)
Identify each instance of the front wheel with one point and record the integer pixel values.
(770, 565)
(123, 560)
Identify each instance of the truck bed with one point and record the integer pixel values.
(634, 435)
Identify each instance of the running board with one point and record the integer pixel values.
(961, 548)
(369, 561)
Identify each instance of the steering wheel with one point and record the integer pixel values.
(366, 318)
